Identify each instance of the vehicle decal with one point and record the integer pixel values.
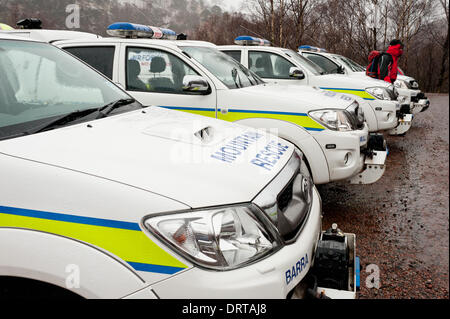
(361, 93)
(123, 239)
(301, 119)
(208, 112)
(232, 115)
(233, 149)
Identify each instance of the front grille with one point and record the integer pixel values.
(292, 202)
(393, 94)
(293, 209)
(356, 116)
(285, 197)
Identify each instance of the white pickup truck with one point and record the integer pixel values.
(102, 197)
(407, 87)
(287, 67)
(193, 76)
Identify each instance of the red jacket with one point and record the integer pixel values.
(391, 66)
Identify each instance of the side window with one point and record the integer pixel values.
(150, 70)
(323, 62)
(234, 54)
(100, 58)
(269, 65)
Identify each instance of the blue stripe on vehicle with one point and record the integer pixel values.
(187, 108)
(180, 108)
(266, 112)
(357, 90)
(69, 218)
(155, 268)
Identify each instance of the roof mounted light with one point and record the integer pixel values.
(311, 48)
(132, 30)
(248, 40)
(30, 23)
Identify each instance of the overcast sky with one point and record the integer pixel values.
(227, 4)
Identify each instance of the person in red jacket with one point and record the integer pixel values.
(389, 61)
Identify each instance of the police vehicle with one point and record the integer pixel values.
(407, 87)
(286, 67)
(102, 197)
(195, 77)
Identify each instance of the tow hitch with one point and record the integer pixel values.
(374, 162)
(335, 271)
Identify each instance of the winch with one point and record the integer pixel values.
(332, 260)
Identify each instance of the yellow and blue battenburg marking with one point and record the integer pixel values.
(123, 239)
(232, 115)
(361, 93)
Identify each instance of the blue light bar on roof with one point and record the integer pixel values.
(133, 30)
(311, 48)
(248, 40)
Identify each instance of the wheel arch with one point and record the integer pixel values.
(65, 263)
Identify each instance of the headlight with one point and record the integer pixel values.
(337, 120)
(220, 238)
(379, 92)
(402, 84)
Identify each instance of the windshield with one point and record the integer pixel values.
(304, 62)
(230, 72)
(355, 67)
(39, 81)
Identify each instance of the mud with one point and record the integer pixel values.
(402, 221)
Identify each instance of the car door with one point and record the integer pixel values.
(273, 67)
(154, 76)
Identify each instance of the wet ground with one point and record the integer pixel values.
(402, 221)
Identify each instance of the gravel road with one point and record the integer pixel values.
(402, 221)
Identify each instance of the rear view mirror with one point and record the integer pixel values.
(296, 73)
(195, 84)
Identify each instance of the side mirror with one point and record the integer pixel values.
(195, 84)
(340, 70)
(296, 73)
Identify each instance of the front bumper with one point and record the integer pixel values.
(385, 113)
(420, 103)
(271, 278)
(416, 99)
(373, 161)
(342, 151)
(404, 124)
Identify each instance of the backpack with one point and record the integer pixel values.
(373, 69)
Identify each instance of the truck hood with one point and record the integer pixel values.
(362, 75)
(192, 159)
(287, 98)
(347, 82)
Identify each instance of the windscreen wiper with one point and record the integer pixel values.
(108, 108)
(76, 115)
(61, 120)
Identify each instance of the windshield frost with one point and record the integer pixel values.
(230, 72)
(39, 81)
